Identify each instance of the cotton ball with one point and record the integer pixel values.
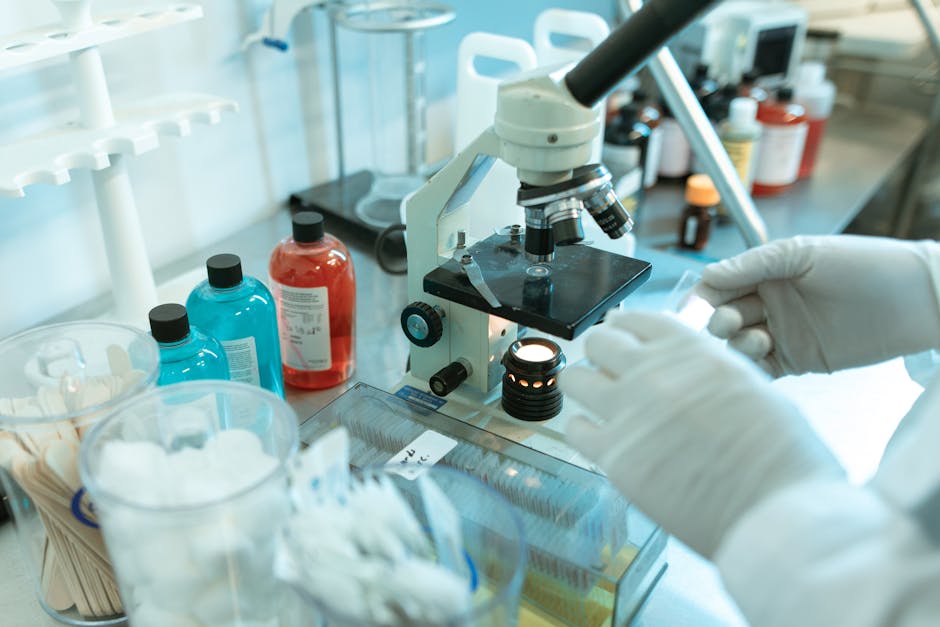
(216, 542)
(235, 444)
(217, 604)
(437, 592)
(263, 509)
(133, 470)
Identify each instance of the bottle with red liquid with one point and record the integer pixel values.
(781, 146)
(314, 286)
(817, 95)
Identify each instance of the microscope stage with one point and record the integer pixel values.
(564, 297)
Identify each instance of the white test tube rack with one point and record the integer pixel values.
(104, 136)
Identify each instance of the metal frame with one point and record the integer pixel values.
(705, 142)
(907, 208)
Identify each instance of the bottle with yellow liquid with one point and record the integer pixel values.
(740, 135)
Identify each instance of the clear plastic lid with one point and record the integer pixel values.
(72, 371)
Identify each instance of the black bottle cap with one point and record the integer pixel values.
(169, 323)
(785, 94)
(750, 77)
(224, 270)
(308, 227)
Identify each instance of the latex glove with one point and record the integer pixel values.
(687, 429)
(821, 304)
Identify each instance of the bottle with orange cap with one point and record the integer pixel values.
(702, 198)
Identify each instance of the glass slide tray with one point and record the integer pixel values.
(593, 558)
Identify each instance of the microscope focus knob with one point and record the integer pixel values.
(449, 378)
(422, 323)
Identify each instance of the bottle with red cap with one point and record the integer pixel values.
(314, 286)
(781, 148)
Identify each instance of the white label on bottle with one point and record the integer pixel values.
(304, 314)
(779, 154)
(242, 360)
(691, 228)
(676, 153)
(654, 152)
(425, 450)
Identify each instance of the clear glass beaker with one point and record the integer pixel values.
(393, 33)
(493, 544)
(192, 518)
(56, 382)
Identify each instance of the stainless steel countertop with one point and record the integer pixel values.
(859, 153)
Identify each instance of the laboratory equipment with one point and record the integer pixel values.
(702, 208)
(530, 382)
(189, 483)
(459, 540)
(627, 142)
(105, 134)
(743, 35)
(469, 298)
(239, 312)
(186, 353)
(592, 557)
(314, 286)
(393, 34)
(740, 135)
(652, 116)
(676, 156)
(55, 383)
(783, 138)
(817, 95)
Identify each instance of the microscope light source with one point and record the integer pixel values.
(529, 384)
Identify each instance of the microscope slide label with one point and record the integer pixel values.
(424, 451)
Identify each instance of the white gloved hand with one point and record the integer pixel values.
(821, 304)
(688, 430)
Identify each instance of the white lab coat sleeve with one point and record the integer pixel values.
(828, 554)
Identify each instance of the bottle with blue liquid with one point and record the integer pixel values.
(186, 353)
(239, 311)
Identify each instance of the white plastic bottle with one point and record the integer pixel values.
(675, 160)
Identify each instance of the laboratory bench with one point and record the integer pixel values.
(861, 150)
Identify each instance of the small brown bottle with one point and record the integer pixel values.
(696, 222)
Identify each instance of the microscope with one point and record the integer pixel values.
(469, 300)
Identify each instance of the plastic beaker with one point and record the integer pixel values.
(493, 545)
(55, 382)
(189, 483)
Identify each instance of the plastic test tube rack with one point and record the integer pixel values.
(103, 136)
